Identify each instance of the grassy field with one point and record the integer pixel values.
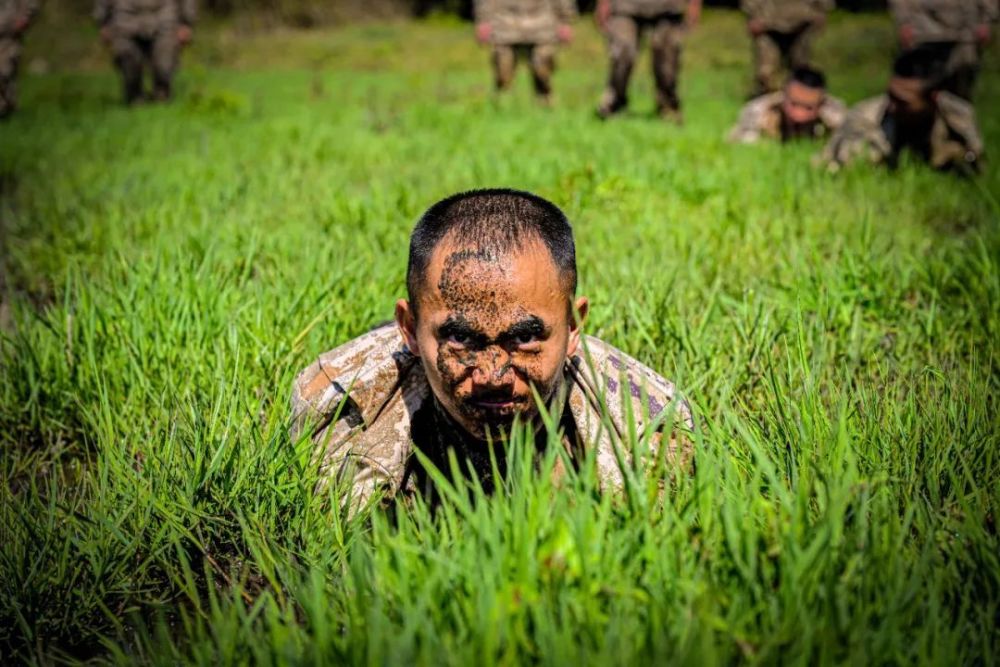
(167, 270)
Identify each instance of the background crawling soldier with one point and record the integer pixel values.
(955, 31)
(800, 110)
(915, 114)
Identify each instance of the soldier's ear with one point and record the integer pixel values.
(579, 315)
(406, 320)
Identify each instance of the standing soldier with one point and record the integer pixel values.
(956, 30)
(623, 21)
(146, 31)
(782, 30)
(528, 29)
(15, 15)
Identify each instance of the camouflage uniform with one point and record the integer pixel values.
(145, 31)
(871, 132)
(789, 29)
(948, 26)
(367, 404)
(528, 29)
(762, 117)
(11, 12)
(665, 21)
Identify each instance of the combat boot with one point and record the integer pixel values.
(610, 105)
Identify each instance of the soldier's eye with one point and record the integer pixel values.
(524, 340)
(459, 339)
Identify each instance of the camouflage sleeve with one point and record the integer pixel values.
(989, 10)
(752, 7)
(833, 113)
(903, 11)
(324, 412)
(349, 403)
(966, 142)
(566, 11)
(825, 5)
(747, 129)
(484, 11)
(859, 137)
(29, 9)
(187, 11)
(102, 12)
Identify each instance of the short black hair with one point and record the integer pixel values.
(809, 77)
(494, 221)
(924, 62)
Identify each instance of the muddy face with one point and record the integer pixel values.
(489, 329)
(800, 109)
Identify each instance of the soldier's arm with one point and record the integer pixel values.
(960, 117)
(187, 12)
(484, 11)
(989, 11)
(752, 8)
(860, 137)
(566, 11)
(102, 12)
(833, 113)
(747, 128)
(903, 11)
(328, 417)
(29, 10)
(693, 12)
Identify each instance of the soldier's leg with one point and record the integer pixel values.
(129, 56)
(800, 45)
(767, 63)
(962, 69)
(165, 50)
(666, 46)
(623, 44)
(543, 64)
(10, 53)
(504, 59)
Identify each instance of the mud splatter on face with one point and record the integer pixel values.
(499, 331)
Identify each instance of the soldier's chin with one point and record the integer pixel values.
(496, 420)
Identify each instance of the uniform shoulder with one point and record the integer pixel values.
(764, 104)
(368, 369)
(610, 373)
(757, 117)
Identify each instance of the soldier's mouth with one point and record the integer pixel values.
(497, 405)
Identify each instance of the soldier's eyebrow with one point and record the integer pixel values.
(456, 325)
(529, 326)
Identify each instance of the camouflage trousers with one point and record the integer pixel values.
(10, 55)
(959, 65)
(666, 36)
(772, 49)
(134, 52)
(541, 58)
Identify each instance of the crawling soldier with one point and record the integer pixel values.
(490, 330)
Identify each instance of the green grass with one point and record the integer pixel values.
(167, 271)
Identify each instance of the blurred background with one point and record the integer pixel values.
(306, 13)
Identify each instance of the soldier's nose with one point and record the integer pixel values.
(495, 369)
